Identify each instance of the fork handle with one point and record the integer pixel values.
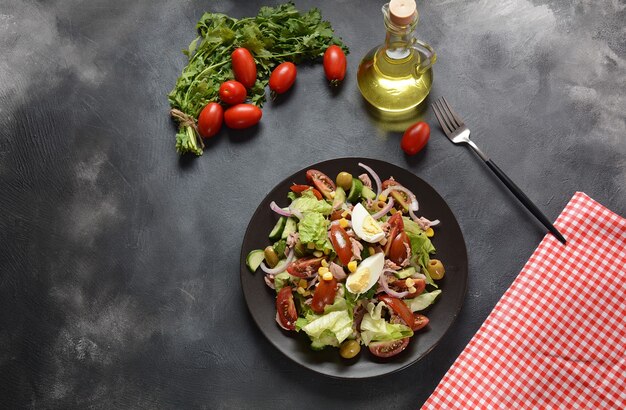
(524, 200)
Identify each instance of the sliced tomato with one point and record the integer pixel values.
(396, 225)
(304, 267)
(400, 286)
(336, 214)
(341, 242)
(324, 295)
(400, 246)
(321, 181)
(400, 308)
(388, 349)
(419, 322)
(400, 197)
(298, 189)
(286, 314)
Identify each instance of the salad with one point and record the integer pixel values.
(350, 263)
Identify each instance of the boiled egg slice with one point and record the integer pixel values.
(366, 227)
(366, 274)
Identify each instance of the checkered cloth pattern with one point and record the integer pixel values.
(557, 338)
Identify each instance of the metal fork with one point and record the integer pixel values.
(457, 132)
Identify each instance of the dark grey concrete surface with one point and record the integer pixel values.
(119, 281)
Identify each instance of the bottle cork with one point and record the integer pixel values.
(402, 12)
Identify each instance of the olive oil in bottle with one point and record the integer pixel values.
(395, 77)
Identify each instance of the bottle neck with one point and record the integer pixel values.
(399, 39)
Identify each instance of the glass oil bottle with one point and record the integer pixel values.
(395, 77)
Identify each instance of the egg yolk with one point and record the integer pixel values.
(370, 226)
(359, 281)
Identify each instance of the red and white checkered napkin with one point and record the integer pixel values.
(557, 338)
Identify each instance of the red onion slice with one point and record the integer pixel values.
(384, 211)
(279, 210)
(279, 268)
(385, 285)
(411, 195)
(374, 175)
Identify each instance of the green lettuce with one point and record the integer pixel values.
(312, 229)
(307, 202)
(422, 301)
(330, 328)
(283, 279)
(375, 328)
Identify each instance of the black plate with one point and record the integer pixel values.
(448, 241)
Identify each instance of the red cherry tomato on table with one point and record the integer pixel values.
(232, 92)
(210, 119)
(286, 314)
(324, 295)
(335, 64)
(244, 67)
(321, 181)
(415, 138)
(341, 243)
(388, 349)
(283, 77)
(242, 116)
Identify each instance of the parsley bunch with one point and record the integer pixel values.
(275, 35)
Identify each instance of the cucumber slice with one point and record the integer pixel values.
(355, 191)
(340, 197)
(254, 259)
(405, 273)
(290, 227)
(368, 193)
(277, 230)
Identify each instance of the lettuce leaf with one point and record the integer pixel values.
(312, 229)
(307, 202)
(375, 328)
(329, 329)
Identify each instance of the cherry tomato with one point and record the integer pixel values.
(321, 181)
(232, 92)
(210, 119)
(304, 267)
(400, 286)
(388, 349)
(415, 138)
(324, 295)
(396, 225)
(283, 77)
(286, 314)
(400, 308)
(420, 321)
(400, 197)
(341, 242)
(244, 67)
(242, 116)
(298, 189)
(335, 64)
(400, 248)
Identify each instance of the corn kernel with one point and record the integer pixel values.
(332, 194)
(393, 211)
(317, 254)
(430, 233)
(300, 290)
(303, 283)
(382, 197)
(371, 250)
(345, 213)
(322, 270)
(326, 251)
(343, 222)
(412, 289)
(327, 276)
(310, 245)
(409, 282)
(324, 263)
(352, 266)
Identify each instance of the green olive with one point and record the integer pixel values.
(349, 349)
(436, 269)
(299, 249)
(378, 205)
(344, 180)
(271, 257)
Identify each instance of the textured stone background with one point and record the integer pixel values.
(119, 261)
